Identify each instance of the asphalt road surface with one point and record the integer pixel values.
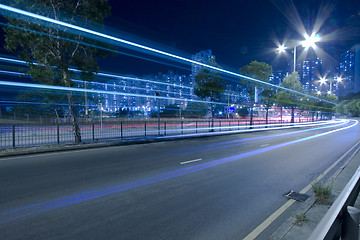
(218, 187)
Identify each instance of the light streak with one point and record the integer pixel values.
(146, 48)
(11, 60)
(51, 87)
(91, 45)
(262, 138)
(22, 212)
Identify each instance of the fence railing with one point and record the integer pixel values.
(25, 135)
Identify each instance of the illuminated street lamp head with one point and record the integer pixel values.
(322, 81)
(281, 49)
(318, 92)
(310, 41)
(329, 92)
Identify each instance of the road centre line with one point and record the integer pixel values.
(191, 161)
(259, 229)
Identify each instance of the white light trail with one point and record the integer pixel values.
(143, 47)
(111, 75)
(60, 88)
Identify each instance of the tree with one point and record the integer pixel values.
(196, 110)
(50, 55)
(287, 98)
(260, 71)
(209, 85)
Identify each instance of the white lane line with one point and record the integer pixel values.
(195, 160)
(264, 145)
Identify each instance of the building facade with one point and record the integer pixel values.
(204, 56)
(349, 70)
(310, 71)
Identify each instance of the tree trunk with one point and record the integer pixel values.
(57, 116)
(292, 115)
(251, 114)
(76, 129)
(212, 117)
(312, 116)
(267, 114)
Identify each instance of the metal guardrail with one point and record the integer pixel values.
(342, 219)
(25, 135)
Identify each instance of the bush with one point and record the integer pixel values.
(322, 193)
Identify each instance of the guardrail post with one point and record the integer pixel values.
(93, 132)
(182, 127)
(121, 130)
(164, 128)
(196, 127)
(209, 127)
(13, 135)
(145, 128)
(220, 125)
(58, 133)
(350, 226)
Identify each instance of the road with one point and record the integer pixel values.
(219, 187)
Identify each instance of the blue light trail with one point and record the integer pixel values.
(92, 45)
(102, 74)
(6, 9)
(18, 213)
(60, 88)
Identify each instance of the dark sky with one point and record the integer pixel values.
(236, 31)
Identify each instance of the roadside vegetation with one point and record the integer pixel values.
(322, 193)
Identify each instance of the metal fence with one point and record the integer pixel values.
(34, 134)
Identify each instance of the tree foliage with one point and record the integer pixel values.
(209, 84)
(196, 110)
(48, 51)
(260, 71)
(349, 107)
(287, 98)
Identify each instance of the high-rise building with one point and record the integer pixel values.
(204, 56)
(350, 72)
(310, 71)
(277, 76)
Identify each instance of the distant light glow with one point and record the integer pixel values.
(146, 48)
(329, 92)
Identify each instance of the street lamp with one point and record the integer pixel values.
(310, 41)
(323, 81)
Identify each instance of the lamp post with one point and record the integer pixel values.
(158, 94)
(310, 41)
(323, 81)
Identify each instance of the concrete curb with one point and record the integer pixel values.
(315, 212)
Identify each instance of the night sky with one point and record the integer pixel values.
(236, 31)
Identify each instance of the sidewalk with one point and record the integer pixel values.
(314, 211)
